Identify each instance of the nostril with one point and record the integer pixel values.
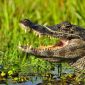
(24, 22)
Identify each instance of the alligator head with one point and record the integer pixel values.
(70, 49)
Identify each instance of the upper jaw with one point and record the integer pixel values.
(28, 25)
(62, 30)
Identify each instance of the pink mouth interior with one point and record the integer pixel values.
(58, 45)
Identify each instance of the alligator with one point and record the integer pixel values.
(71, 47)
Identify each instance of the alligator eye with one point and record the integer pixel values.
(68, 26)
(64, 27)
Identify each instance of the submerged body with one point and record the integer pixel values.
(71, 48)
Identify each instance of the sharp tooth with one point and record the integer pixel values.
(28, 29)
(30, 46)
(39, 36)
(25, 30)
(27, 44)
(36, 34)
(19, 46)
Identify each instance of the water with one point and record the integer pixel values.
(50, 78)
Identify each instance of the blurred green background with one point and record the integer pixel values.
(47, 12)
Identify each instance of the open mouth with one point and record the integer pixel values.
(56, 52)
(40, 50)
(57, 45)
(40, 30)
(47, 52)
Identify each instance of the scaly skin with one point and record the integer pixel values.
(71, 49)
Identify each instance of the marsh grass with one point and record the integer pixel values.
(47, 12)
